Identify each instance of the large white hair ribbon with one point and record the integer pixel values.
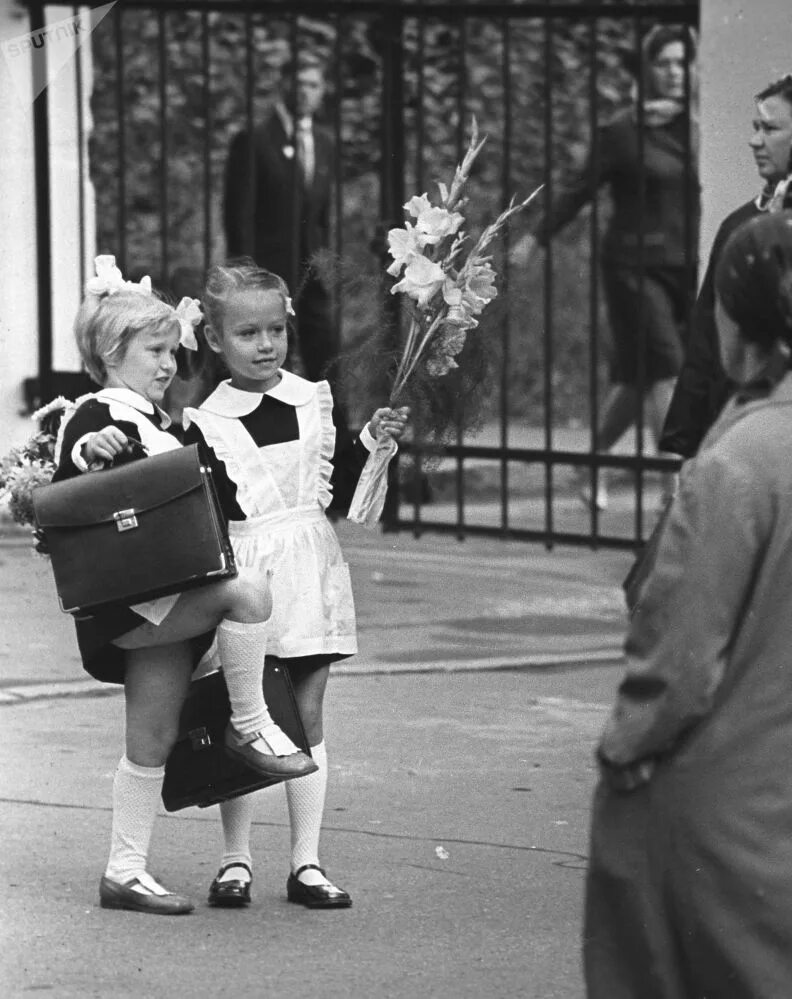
(109, 279)
(189, 314)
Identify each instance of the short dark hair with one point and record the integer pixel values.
(302, 60)
(665, 34)
(753, 278)
(778, 88)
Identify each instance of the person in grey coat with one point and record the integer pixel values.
(689, 890)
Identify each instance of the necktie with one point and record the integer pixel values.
(305, 149)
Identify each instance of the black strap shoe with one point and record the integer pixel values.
(315, 896)
(231, 894)
(113, 895)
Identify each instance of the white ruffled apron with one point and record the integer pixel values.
(284, 490)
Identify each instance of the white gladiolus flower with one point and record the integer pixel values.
(403, 245)
(417, 204)
(438, 223)
(421, 281)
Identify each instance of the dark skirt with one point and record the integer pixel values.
(659, 301)
(107, 662)
(307, 664)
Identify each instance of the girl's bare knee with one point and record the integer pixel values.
(251, 599)
(152, 747)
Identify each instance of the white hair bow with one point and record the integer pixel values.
(109, 279)
(289, 306)
(189, 314)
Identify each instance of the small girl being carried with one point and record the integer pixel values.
(278, 469)
(128, 339)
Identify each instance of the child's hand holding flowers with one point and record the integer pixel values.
(387, 422)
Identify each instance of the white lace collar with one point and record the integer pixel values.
(136, 401)
(233, 402)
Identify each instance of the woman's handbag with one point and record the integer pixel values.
(198, 770)
(128, 534)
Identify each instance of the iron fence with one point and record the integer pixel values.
(172, 81)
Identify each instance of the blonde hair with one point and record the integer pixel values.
(241, 274)
(106, 324)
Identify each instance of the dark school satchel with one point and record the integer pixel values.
(198, 771)
(134, 532)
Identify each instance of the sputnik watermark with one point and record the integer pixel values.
(35, 60)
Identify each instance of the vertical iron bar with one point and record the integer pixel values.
(392, 184)
(420, 138)
(79, 92)
(595, 470)
(690, 200)
(249, 132)
(505, 331)
(641, 264)
(338, 190)
(420, 115)
(206, 91)
(297, 264)
(121, 239)
(548, 289)
(163, 136)
(43, 212)
(461, 102)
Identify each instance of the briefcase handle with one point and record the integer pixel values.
(135, 443)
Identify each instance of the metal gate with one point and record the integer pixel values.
(173, 79)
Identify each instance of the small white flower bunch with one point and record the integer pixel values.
(447, 289)
(31, 465)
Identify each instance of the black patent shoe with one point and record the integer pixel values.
(113, 895)
(230, 894)
(315, 896)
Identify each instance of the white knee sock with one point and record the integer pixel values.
(136, 798)
(237, 816)
(305, 797)
(242, 648)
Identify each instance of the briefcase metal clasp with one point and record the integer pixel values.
(199, 738)
(125, 520)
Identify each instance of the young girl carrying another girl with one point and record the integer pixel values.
(128, 339)
(278, 468)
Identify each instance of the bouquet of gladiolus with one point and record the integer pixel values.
(446, 285)
(31, 465)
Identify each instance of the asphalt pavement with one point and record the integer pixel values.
(460, 742)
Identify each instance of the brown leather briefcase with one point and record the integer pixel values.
(135, 532)
(198, 770)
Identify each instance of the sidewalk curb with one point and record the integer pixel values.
(25, 693)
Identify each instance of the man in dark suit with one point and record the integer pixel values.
(277, 204)
(702, 387)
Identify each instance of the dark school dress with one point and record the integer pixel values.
(650, 245)
(139, 421)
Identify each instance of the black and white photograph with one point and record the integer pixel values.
(395, 501)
